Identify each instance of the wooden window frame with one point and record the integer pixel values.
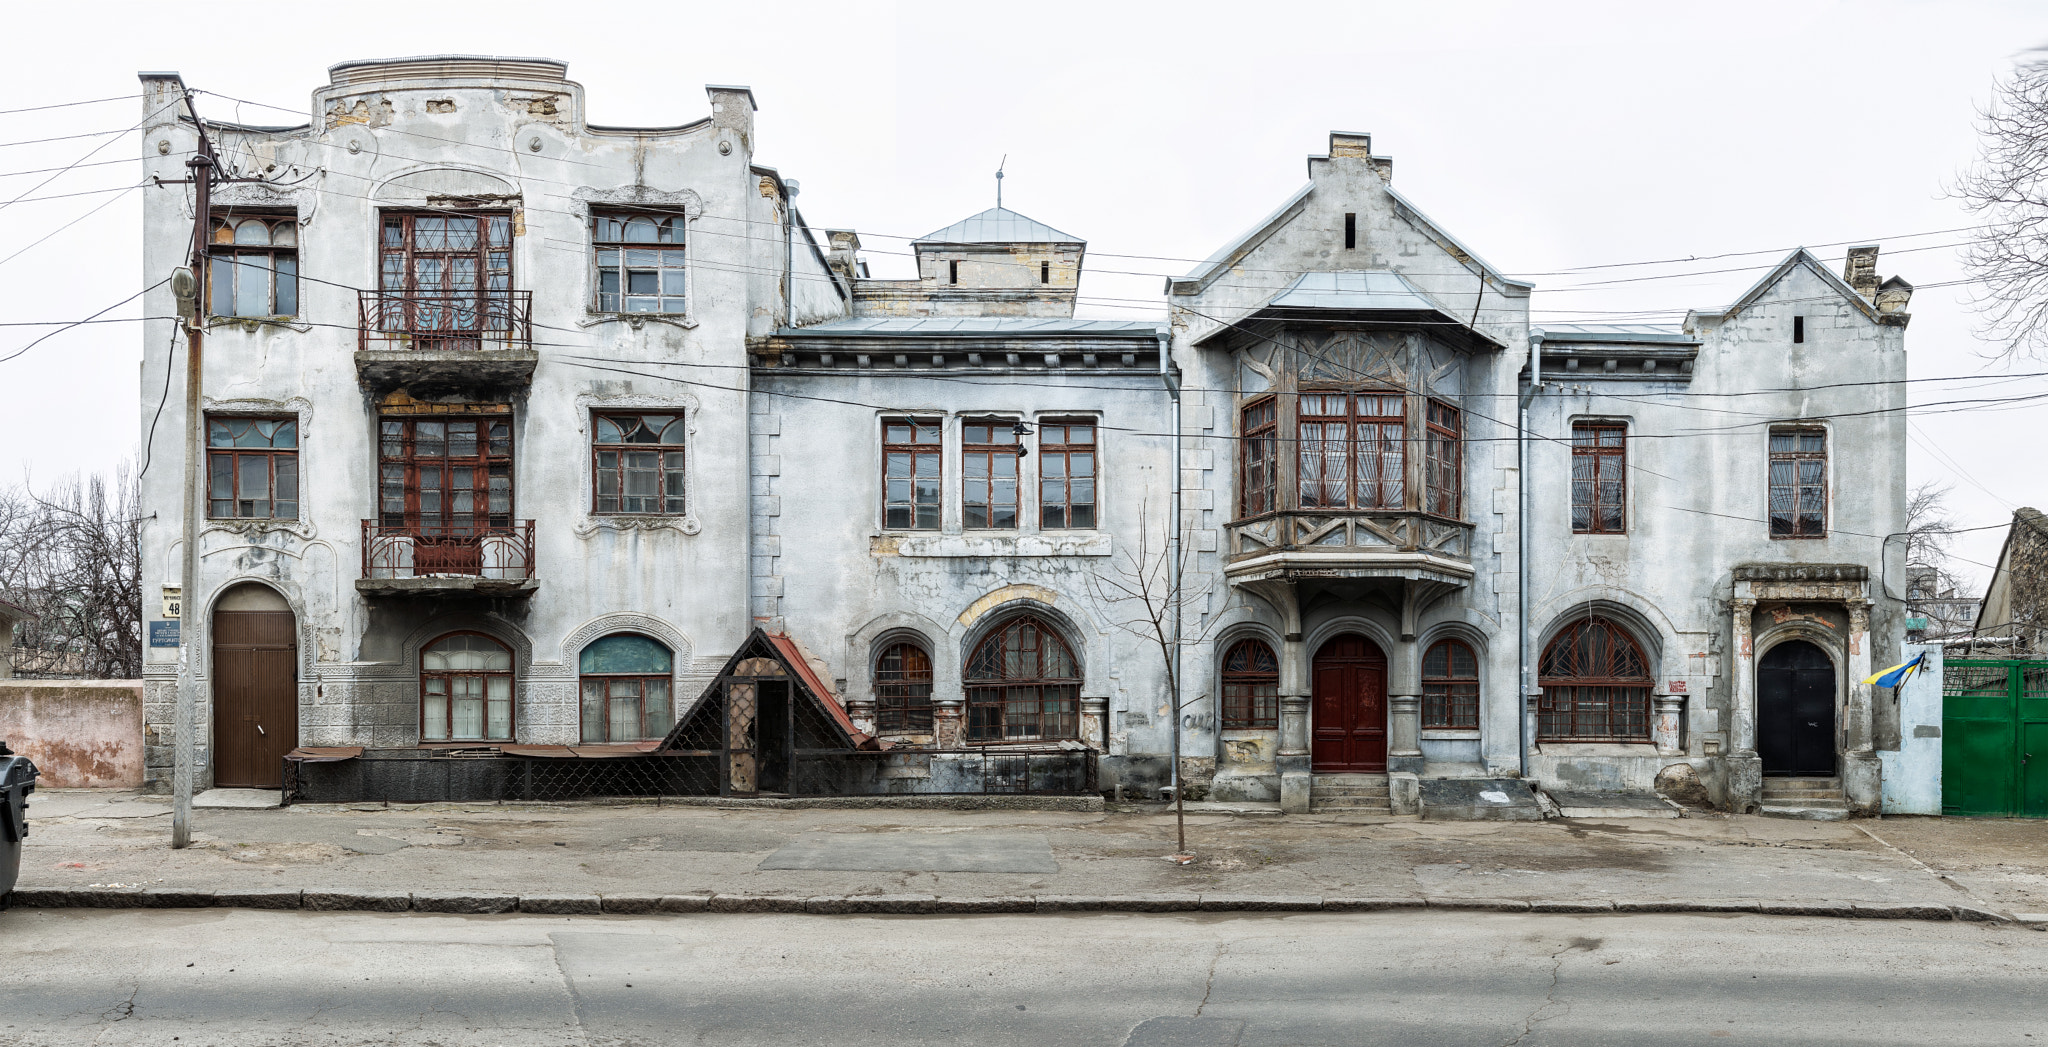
(454, 312)
(646, 729)
(914, 452)
(670, 463)
(1258, 484)
(1450, 699)
(1612, 693)
(1443, 462)
(608, 229)
(1801, 524)
(494, 458)
(903, 695)
(1387, 493)
(1032, 706)
(225, 265)
(1590, 491)
(511, 694)
(237, 459)
(1001, 443)
(1056, 444)
(1251, 690)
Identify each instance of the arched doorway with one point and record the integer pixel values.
(255, 687)
(1350, 696)
(1795, 710)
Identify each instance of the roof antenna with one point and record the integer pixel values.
(999, 180)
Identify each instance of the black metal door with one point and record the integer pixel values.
(1795, 711)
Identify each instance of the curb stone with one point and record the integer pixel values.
(1558, 906)
(1261, 903)
(259, 898)
(984, 905)
(464, 904)
(1479, 904)
(560, 904)
(1881, 911)
(879, 904)
(1370, 904)
(1693, 907)
(1807, 909)
(1975, 915)
(629, 904)
(755, 903)
(685, 902)
(358, 901)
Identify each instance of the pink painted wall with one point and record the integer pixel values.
(80, 733)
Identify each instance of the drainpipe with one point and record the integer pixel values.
(789, 191)
(1525, 645)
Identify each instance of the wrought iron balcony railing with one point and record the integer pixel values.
(444, 321)
(461, 554)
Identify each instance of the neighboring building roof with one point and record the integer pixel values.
(14, 612)
(998, 225)
(956, 326)
(1799, 257)
(1613, 333)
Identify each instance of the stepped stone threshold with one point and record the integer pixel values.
(1814, 799)
(1350, 794)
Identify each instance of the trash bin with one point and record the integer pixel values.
(17, 780)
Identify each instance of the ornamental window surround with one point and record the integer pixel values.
(253, 264)
(1596, 685)
(1023, 685)
(626, 682)
(640, 258)
(252, 468)
(637, 463)
(1251, 686)
(466, 690)
(903, 688)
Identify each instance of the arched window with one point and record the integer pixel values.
(626, 687)
(903, 688)
(1596, 686)
(1251, 686)
(1023, 685)
(466, 690)
(1450, 686)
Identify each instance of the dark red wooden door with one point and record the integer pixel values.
(1350, 695)
(255, 697)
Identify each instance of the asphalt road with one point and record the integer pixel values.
(201, 977)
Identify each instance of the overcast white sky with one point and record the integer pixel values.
(1546, 136)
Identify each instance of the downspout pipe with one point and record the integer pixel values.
(1525, 639)
(1172, 383)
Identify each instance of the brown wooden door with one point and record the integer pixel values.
(1350, 696)
(255, 697)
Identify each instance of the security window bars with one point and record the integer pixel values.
(903, 689)
(466, 690)
(253, 265)
(1259, 472)
(988, 473)
(445, 475)
(1251, 686)
(912, 459)
(1596, 686)
(252, 468)
(637, 463)
(639, 261)
(1351, 448)
(627, 687)
(1599, 478)
(1443, 463)
(1799, 483)
(1450, 686)
(1023, 686)
(1066, 474)
(446, 278)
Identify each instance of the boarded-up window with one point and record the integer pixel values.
(1799, 483)
(912, 460)
(1251, 686)
(626, 686)
(252, 468)
(1599, 478)
(1450, 686)
(1066, 473)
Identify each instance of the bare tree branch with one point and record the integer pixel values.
(2008, 189)
(72, 556)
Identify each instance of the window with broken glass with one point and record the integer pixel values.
(903, 688)
(912, 461)
(639, 261)
(253, 264)
(252, 468)
(626, 681)
(1599, 478)
(1799, 483)
(1066, 473)
(637, 463)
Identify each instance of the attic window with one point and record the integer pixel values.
(1799, 329)
(1045, 272)
(953, 271)
(1350, 231)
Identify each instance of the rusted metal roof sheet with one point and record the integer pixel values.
(794, 656)
(967, 326)
(324, 753)
(611, 750)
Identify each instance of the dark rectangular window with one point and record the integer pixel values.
(639, 261)
(1259, 471)
(252, 468)
(903, 689)
(637, 463)
(1799, 328)
(1351, 450)
(1350, 231)
(1045, 272)
(1450, 687)
(911, 468)
(1066, 474)
(1599, 471)
(253, 265)
(1799, 483)
(953, 272)
(1443, 463)
(445, 474)
(988, 473)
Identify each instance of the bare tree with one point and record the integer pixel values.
(1933, 589)
(2008, 190)
(71, 555)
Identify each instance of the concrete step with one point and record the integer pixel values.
(1802, 783)
(1348, 790)
(1809, 812)
(1327, 807)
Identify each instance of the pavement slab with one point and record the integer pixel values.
(913, 852)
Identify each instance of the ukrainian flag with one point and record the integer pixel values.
(1897, 674)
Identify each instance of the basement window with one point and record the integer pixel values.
(640, 260)
(253, 265)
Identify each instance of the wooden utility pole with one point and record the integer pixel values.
(184, 751)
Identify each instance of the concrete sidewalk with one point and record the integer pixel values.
(110, 849)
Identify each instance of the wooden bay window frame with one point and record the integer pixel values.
(1443, 460)
(1351, 449)
(1258, 457)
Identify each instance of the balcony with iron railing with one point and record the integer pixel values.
(417, 558)
(464, 337)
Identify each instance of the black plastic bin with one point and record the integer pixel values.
(17, 780)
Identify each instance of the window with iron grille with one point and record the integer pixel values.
(912, 467)
(1351, 450)
(1599, 478)
(1066, 473)
(445, 474)
(449, 275)
(1259, 473)
(639, 261)
(1596, 686)
(1023, 685)
(466, 690)
(1799, 483)
(1251, 686)
(1443, 462)
(637, 463)
(903, 688)
(253, 264)
(252, 468)
(988, 473)
(627, 682)
(1450, 686)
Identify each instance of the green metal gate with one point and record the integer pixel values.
(1994, 737)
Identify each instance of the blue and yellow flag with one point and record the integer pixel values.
(1898, 674)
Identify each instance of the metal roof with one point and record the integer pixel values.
(953, 326)
(998, 225)
(1376, 290)
(1613, 333)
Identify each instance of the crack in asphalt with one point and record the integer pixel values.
(1536, 1016)
(1210, 983)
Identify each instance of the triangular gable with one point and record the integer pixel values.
(702, 728)
(1798, 258)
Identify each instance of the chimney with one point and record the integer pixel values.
(1860, 270)
(844, 256)
(1893, 297)
(1357, 145)
(732, 111)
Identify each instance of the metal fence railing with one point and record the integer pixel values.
(444, 321)
(411, 551)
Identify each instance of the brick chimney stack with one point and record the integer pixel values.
(1860, 270)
